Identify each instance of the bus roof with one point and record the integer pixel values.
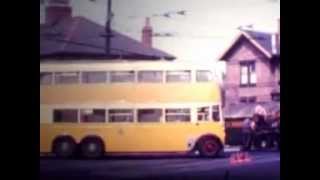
(122, 65)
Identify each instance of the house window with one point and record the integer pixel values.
(149, 115)
(251, 99)
(65, 115)
(150, 76)
(94, 77)
(92, 115)
(67, 78)
(275, 97)
(122, 76)
(46, 78)
(178, 115)
(248, 74)
(178, 76)
(120, 115)
(204, 76)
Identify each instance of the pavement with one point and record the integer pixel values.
(263, 165)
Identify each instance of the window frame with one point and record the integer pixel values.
(131, 115)
(65, 109)
(139, 80)
(167, 74)
(248, 65)
(188, 113)
(211, 78)
(133, 80)
(92, 109)
(106, 76)
(58, 75)
(51, 78)
(157, 109)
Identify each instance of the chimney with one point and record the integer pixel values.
(57, 10)
(147, 34)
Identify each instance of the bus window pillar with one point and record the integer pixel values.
(194, 116)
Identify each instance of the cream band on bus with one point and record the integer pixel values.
(98, 108)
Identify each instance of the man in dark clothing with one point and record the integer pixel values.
(248, 127)
(261, 131)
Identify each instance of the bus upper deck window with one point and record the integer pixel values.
(150, 76)
(67, 77)
(204, 76)
(178, 115)
(94, 77)
(122, 76)
(93, 115)
(46, 78)
(178, 76)
(149, 115)
(120, 115)
(215, 113)
(65, 115)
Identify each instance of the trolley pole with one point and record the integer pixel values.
(108, 28)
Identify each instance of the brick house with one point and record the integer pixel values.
(252, 68)
(252, 77)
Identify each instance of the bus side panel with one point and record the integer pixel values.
(136, 93)
(147, 137)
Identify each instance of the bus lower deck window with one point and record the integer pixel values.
(120, 115)
(215, 113)
(149, 115)
(92, 115)
(65, 115)
(178, 115)
(203, 114)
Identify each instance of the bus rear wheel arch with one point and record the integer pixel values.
(209, 146)
(64, 146)
(92, 147)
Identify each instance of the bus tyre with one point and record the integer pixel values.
(92, 148)
(209, 147)
(64, 147)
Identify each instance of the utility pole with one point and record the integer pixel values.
(108, 28)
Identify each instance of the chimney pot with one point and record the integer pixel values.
(57, 10)
(147, 33)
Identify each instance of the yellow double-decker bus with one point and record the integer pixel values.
(97, 108)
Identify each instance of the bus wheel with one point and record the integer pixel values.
(92, 147)
(64, 147)
(209, 147)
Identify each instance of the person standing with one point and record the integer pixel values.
(248, 128)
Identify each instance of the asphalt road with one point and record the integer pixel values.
(264, 165)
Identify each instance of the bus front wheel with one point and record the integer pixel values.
(64, 147)
(209, 147)
(92, 147)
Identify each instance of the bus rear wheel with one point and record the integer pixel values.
(91, 148)
(209, 147)
(64, 147)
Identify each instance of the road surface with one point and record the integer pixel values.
(264, 165)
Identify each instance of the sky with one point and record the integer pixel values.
(206, 31)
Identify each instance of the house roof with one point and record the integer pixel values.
(261, 40)
(80, 37)
(243, 110)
